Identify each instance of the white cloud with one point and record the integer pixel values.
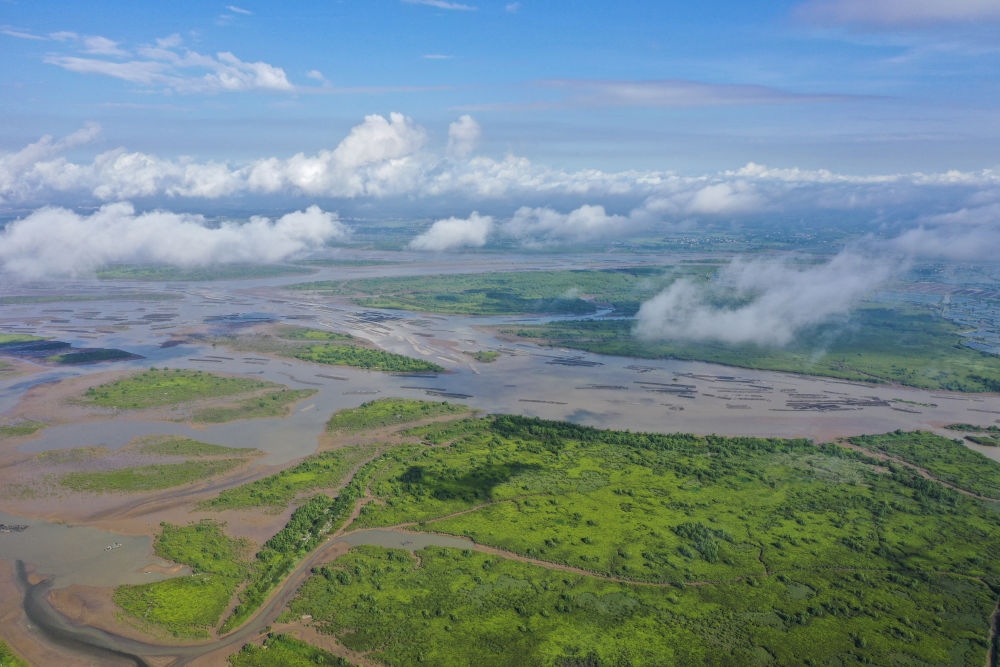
(167, 66)
(21, 34)
(442, 4)
(102, 46)
(463, 136)
(775, 300)
(316, 75)
(391, 156)
(889, 13)
(59, 242)
(239, 10)
(545, 225)
(454, 233)
(665, 93)
(512, 7)
(724, 198)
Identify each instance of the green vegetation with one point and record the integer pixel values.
(216, 272)
(189, 606)
(384, 412)
(91, 356)
(753, 551)
(170, 445)
(303, 333)
(160, 387)
(485, 356)
(19, 429)
(944, 459)
(465, 608)
(114, 296)
(14, 339)
(988, 436)
(271, 404)
(305, 530)
(8, 658)
(902, 344)
(284, 651)
(361, 357)
(299, 343)
(147, 478)
(567, 292)
(325, 470)
(972, 428)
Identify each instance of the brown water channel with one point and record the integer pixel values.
(109, 648)
(606, 392)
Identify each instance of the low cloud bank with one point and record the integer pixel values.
(775, 299)
(455, 233)
(53, 242)
(393, 156)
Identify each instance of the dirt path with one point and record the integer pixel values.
(926, 474)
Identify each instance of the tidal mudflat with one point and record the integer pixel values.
(185, 331)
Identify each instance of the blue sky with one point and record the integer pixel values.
(195, 133)
(875, 86)
(497, 124)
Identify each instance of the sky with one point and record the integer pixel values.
(533, 122)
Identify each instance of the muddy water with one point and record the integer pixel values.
(80, 555)
(607, 392)
(412, 541)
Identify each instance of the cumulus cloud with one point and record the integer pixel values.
(391, 156)
(454, 233)
(888, 13)
(764, 302)
(463, 136)
(54, 241)
(546, 225)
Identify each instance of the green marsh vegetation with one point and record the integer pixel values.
(284, 651)
(167, 273)
(151, 477)
(988, 436)
(114, 296)
(455, 607)
(91, 356)
(168, 387)
(308, 526)
(189, 606)
(384, 412)
(703, 549)
(899, 344)
(325, 470)
(8, 658)
(328, 347)
(14, 339)
(159, 387)
(484, 356)
(512, 293)
(169, 445)
(362, 357)
(201, 461)
(946, 460)
(20, 428)
(274, 403)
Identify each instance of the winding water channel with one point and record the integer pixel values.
(606, 392)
